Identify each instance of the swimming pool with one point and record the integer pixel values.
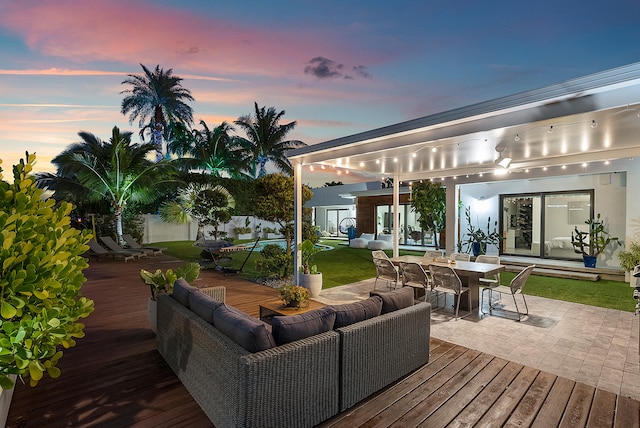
(282, 243)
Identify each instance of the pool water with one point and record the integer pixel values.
(281, 242)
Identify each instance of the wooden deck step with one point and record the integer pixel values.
(556, 273)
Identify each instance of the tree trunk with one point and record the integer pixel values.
(118, 215)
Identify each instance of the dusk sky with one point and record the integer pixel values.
(335, 67)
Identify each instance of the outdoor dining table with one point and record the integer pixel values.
(469, 273)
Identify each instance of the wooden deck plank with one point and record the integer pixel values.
(115, 377)
(436, 399)
(578, 407)
(527, 410)
(454, 405)
(627, 413)
(602, 410)
(503, 407)
(555, 404)
(480, 404)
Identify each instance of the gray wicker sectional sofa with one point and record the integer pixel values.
(263, 376)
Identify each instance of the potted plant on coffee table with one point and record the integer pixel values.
(310, 278)
(294, 296)
(160, 282)
(593, 242)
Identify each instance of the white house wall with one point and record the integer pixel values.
(610, 197)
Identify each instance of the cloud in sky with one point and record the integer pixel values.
(325, 68)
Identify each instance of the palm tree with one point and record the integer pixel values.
(267, 139)
(117, 171)
(215, 151)
(157, 99)
(205, 203)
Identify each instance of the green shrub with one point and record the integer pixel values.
(630, 258)
(41, 267)
(275, 262)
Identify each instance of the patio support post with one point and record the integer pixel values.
(396, 210)
(297, 220)
(451, 214)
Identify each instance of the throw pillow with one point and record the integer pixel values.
(351, 313)
(396, 299)
(248, 332)
(203, 305)
(296, 327)
(181, 291)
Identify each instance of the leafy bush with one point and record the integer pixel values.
(631, 257)
(275, 262)
(41, 267)
(160, 282)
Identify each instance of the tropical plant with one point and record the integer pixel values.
(308, 249)
(429, 201)
(266, 139)
(294, 295)
(158, 100)
(479, 236)
(116, 171)
(41, 275)
(214, 151)
(630, 258)
(595, 240)
(160, 282)
(205, 203)
(274, 203)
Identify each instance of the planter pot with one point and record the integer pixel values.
(478, 249)
(5, 401)
(312, 282)
(272, 236)
(152, 314)
(590, 261)
(244, 236)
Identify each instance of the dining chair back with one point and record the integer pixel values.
(446, 280)
(386, 271)
(515, 287)
(414, 275)
(434, 254)
(460, 257)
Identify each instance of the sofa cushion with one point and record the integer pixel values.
(181, 291)
(367, 236)
(296, 327)
(395, 299)
(248, 332)
(203, 305)
(351, 313)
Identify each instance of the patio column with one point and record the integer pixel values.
(451, 210)
(297, 220)
(396, 210)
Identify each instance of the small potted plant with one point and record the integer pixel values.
(160, 282)
(629, 259)
(294, 296)
(270, 232)
(477, 239)
(310, 278)
(593, 242)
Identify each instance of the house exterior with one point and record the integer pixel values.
(580, 137)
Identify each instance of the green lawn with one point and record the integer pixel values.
(344, 265)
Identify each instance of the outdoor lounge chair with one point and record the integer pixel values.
(515, 287)
(113, 246)
(99, 252)
(133, 244)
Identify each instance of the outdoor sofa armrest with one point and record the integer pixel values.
(378, 351)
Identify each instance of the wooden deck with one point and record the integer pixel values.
(114, 377)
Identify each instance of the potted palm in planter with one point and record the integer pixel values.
(310, 278)
(477, 239)
(160, 282)
(593, 242)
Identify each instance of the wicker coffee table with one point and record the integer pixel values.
(273, 308)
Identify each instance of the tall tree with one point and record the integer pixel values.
(429, 201)
(158, 100)
(274, 203)
(213, 150)
(117, 171)
(205, 203)
(266, 139)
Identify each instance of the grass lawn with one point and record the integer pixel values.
(345, 265)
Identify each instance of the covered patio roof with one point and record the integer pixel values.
(589, 119)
